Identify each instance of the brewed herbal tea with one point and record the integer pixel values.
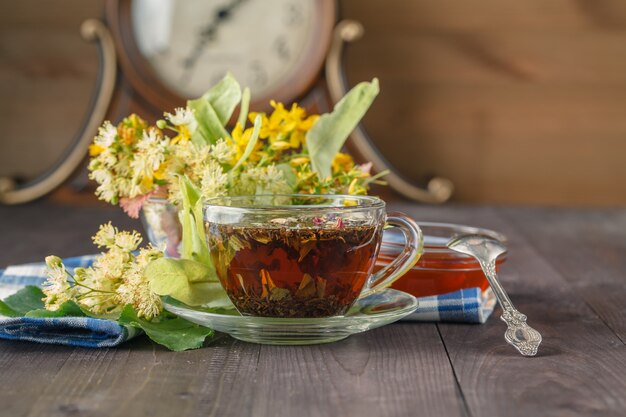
(284, 270)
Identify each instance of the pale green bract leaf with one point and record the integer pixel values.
(224, 97)
(330, 132)
(191, 219)
(188, 281)
(254, 137)
(214, 109)
(288, 174)
(190, 195)
(210, 129)
(243, 109)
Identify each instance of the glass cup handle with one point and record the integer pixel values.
(413, 248)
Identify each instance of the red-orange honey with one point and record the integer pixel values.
(439, 270)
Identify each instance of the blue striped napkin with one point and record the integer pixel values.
(465, 306)
(71, 331)
(469, 305)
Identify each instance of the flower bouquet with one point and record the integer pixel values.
(182, 160)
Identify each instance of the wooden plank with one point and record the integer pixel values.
(588, 252)
(29, 233)
(580, 367)
(137, 378)
(398, 370)
(491, 57)
(47, 77)
(462, 15)
(503, 144)
(495, 94)
(392, 371)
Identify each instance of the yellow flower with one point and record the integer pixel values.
(183, 135)
(161, 173)
(301, 160)
(146, 183)
(131, 129)
(280, 145)
(342, 162)
(285, 126)
(95, 150)
(240, 141)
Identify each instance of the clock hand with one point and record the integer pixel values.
(206, 35)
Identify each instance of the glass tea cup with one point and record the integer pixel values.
(303, 255)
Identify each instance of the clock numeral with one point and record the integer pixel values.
(293, 15)
(258, 74)
(282, 48)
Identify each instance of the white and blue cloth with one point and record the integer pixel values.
(71, 331)
(470, 305)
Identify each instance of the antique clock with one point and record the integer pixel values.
(172, 50)
(156, 54)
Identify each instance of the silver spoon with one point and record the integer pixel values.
(486, 250)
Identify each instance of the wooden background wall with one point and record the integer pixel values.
(47, 76)
(515, 101)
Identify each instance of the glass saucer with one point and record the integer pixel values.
(376, 310)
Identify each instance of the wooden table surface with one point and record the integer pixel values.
(566, 271)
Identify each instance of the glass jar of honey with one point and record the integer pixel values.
(439, 270)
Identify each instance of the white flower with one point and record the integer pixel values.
(105, 235)
(101, 176)
(128, 241)
(221, 151)
(262, 180)
(136, 291)
(106, 135)
(181, 116)
(57, 289)
(214, 180)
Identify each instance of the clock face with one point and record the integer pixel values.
(191, 44)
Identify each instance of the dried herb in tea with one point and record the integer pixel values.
(285, 271)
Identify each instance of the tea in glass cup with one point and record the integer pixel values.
(303, 255)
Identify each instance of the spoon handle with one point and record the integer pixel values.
(519, 334)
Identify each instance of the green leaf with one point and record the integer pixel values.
(224, 97)
(330, 132)
(67, 309)
(188, 281)
(27, 299)
(192, 221)
(210, 128)
(176, 334)
(254, 137)
(288, 174)
(214, 109)
(243, 109)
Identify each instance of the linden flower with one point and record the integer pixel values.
(57, 289)
(222, 152)
(115, 279)
(107, 134)
(214, 180)
(181, 116)
(105, 237)
(136, 292)
(128, 241)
